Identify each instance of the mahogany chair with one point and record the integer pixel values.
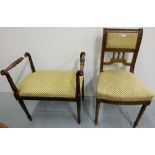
(48, 85)
(121, 87)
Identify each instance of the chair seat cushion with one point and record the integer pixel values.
(61, 84)
(121, 85)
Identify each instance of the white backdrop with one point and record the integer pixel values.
(59, 48)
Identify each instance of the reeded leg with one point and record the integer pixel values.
(79, 111)
(97, 111)
(83, 90)
(139, 115)
(21, 102)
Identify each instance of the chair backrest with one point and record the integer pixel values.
(119, 42)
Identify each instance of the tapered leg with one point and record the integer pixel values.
(79, 111)
(97, 111)
(139, 115)
(21, 102)
(83, 90)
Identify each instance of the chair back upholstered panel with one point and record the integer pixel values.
(119, 42)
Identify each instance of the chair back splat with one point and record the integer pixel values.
(119, 42)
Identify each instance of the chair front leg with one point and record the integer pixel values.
(21, 102)
(140, 115)
(78, 111)
(97, 111)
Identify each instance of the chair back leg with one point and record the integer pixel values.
(140, 115)
(21, 102)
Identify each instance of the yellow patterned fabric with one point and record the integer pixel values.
(121, 85)
(50, 84)
(121, 40)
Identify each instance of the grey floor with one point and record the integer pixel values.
(51, 114)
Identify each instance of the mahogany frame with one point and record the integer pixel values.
(122, 60)
(21, 99)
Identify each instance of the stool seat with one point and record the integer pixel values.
(50, 84)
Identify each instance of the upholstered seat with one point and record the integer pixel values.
(50, 84)
(121, 85)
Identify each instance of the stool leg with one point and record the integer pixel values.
(83, 90)
(21, 102)
(97, 111)
(78, 111)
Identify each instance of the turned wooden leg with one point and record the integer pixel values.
(21, 102)
(83, 90)
(97, 111)
(79, 111)
(140, 115)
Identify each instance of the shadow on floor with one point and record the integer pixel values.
(52, 114)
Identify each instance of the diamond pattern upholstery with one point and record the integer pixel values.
(50, 84)
(122, 40)
(121, 85)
